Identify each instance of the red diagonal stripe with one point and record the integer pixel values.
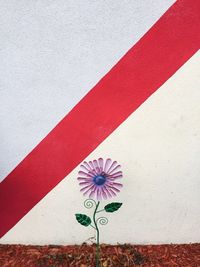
(157, 56)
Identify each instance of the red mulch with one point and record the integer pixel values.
(117, 256)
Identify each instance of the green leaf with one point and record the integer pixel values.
(114, 206)
(83, 219)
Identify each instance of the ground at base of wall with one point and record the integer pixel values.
(187, 255)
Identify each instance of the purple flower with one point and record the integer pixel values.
(98, 178)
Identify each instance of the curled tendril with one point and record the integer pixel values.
(89, 203)
(102, 220)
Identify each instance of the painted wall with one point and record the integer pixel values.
(52, 53)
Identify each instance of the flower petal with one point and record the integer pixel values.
(86, 187)
(89, 174)
(107, 165)
(115, 169)
(104, 193)
(107, 191)
(92, 193)
(114, 178)
(99, 194)
(85, 168)
(84, 179)
(110, 192)
(89, 189)
(93, 167)
(100, 160)
(113, 188)
(83, 183)
(116, 185)
(116, 175)
(87, 165)
(96, 165)
(112, 166)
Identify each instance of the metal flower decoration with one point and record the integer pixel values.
(99, 180)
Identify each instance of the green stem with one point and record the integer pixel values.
(97, 230)
(100, 210)
(93, 226)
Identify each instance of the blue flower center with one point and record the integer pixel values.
(99, 179)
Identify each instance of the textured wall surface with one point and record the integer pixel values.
(52, 53)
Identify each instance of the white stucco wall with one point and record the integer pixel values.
(52, 53)
(158, 147)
